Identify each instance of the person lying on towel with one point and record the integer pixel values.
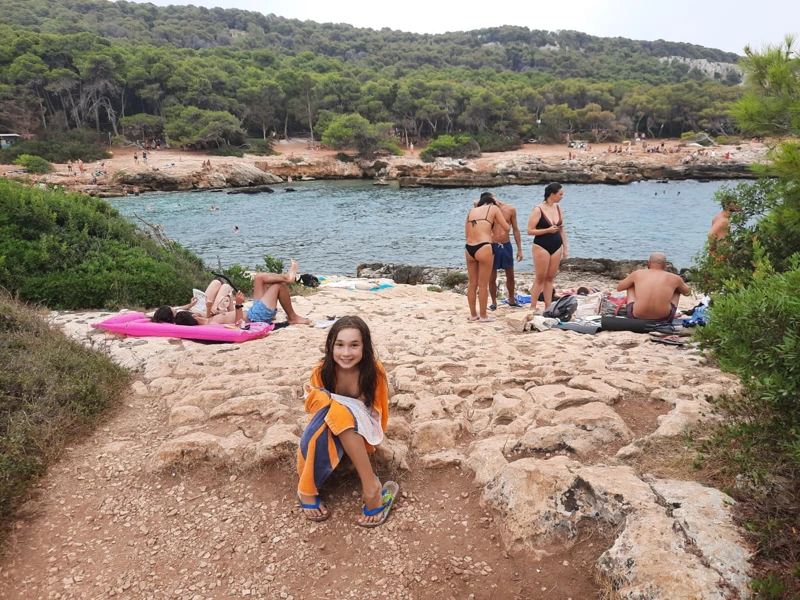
(654, 291)
(348, 400)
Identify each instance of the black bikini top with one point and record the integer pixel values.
(475, 221)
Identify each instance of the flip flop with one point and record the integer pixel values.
(492, 307)
(315, 506)
(487, 320)
(670, 340)
(515, 305)
(388, 495)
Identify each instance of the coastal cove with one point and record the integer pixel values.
(332, 226)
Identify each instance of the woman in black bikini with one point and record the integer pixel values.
(546, 224)
(480, 252)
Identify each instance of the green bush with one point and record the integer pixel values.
(70, 251)
(58, 148)
(51, 390)
(455, 278)
(238, 275)
(33, 164)
(272, 264)
(754, 332)
(461, 146)
(722, 140)
(119, 141)
(688, 134)
(492, 142)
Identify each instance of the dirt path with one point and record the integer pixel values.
(509, 449)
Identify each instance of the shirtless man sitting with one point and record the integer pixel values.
(654, 291)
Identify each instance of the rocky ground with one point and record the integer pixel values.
(515, 454)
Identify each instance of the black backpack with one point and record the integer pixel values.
(308, 280)
(562, 309)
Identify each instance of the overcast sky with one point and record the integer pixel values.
(725, 24)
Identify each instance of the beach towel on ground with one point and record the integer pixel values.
(320, 449)
(519, 299)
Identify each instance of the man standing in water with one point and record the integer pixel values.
(720, 224)
(654, 291)
(504, 254)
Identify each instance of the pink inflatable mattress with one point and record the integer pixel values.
(139, 325)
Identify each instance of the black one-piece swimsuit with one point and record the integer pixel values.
(551, 242)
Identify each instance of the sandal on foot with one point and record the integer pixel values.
(316, 518)
(388, 495)
(493, 307)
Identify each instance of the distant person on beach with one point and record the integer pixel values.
(144, 158)
(136, 158)
(478, 229)
(348, 400)
(504, 254)
(69, 166)
(654, 291)
(546, 224)
(136, 190)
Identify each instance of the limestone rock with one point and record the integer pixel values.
(180, 415)
(435, 435)
(438, 460)
(560, 396)
(245, 405)
(279, 441)
(187, 449)
(392, 454)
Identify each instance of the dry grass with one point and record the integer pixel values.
(51, 390)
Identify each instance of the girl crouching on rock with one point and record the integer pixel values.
(348, 399)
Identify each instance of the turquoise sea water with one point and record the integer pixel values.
(332, 227)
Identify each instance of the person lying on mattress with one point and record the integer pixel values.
(349, 406)
(218, 299)
(654, 291)
(269, 289)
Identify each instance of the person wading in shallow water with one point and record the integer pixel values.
(479, 251)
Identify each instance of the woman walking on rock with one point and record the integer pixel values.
(546, 224)
(479, 252)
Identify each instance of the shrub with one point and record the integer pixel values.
(273, 265)
(455, 278)
(455, 147)
(71, 251)
(754, 332)
(240, 278)
(722, 140)
(688, 134)
(434, 288)
(119, 141)
(33, 164)
(51, 390)
(58, 148)
(492, 142)
(346, 158)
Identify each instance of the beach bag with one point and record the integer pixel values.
(309, 280)
(562, 309)
(614, 306)
(588, 305)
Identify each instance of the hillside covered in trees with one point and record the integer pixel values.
(216, 76)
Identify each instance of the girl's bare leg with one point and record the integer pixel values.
(485, 258)
(354, 447)
(472, 286)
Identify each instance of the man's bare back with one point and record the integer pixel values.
(654, 290)
(510, 215)
(720, 225)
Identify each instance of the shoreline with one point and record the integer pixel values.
(176, 170)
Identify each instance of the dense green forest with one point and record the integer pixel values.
(216, 76)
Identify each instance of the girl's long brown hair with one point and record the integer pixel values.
(368, 373)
